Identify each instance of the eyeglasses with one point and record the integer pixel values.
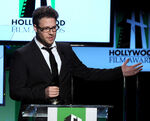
(48, 29)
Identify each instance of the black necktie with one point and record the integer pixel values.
(54, 67)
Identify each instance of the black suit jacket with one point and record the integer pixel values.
(30, 75)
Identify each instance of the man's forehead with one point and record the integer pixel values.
(47, 21)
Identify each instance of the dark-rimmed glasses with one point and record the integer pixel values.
(48, 29)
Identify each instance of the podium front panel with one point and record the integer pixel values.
(66, 112)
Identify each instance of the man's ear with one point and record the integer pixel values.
(35, 28)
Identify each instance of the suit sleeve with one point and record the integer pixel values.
(93, 74)
(19, 89)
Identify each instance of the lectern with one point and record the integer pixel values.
(66, 112)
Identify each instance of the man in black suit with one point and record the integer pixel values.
(31, 73)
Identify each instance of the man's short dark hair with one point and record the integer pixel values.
(44, 11)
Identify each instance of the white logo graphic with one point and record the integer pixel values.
(143, 34)
(72, 118)
(38, 3)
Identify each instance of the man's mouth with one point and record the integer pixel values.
(50, 38)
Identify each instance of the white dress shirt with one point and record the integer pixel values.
(46, 54)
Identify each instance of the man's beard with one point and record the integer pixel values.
(42, 41)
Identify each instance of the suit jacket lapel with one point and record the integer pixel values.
(40, 59)
(61, 54)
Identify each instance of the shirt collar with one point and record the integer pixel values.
(40, 45)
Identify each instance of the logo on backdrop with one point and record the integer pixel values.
(72, 114)
(133, 40)
(26, 8)
(72, 118)
(134, 31)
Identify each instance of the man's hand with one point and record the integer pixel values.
(130, 70)
(51, 91)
